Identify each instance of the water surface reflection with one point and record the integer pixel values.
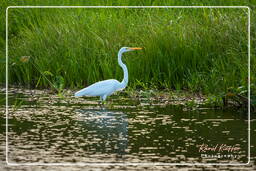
(46, 128)
(106, 130)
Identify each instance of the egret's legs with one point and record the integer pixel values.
(102, 102)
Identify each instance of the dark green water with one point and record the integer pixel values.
(45, 128)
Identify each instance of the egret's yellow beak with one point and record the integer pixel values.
(135, 48)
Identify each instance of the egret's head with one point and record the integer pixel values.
(127, 49)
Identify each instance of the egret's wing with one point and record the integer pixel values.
(100, 88)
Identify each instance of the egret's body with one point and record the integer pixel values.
(102, 88)
(107, 87)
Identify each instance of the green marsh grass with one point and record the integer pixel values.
(199, 50)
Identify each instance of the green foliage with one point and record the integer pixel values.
(17, 104)
(191, 104)
(201, 50)
(59, 83)
(214, 101)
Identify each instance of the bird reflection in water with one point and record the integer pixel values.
(107, 131)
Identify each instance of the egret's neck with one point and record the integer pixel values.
(125, 80)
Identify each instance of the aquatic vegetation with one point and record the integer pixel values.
(198, 50)
(194, 62)
(78, 130)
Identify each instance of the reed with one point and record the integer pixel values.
(199, 50)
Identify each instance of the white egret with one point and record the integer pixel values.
(107, 87)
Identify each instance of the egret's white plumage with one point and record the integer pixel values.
(107, 87)
(101, 88)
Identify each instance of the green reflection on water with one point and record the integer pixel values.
(51, 129)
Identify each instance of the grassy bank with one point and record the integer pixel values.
(197, 50)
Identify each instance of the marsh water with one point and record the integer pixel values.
(46, 128)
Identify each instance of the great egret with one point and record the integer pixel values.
(107, 87)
